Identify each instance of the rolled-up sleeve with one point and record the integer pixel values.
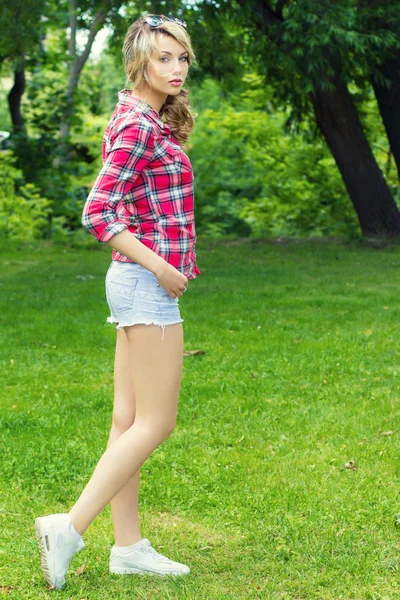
(131, 150)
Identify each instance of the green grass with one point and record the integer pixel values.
(299, 377)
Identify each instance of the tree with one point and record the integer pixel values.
(87, 17)
(22, 28)
(383, 67)
(310, 51)
(26, 23)
(388, 97)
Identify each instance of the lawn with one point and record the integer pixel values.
(281, 479)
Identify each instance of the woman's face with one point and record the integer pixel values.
(168, 62)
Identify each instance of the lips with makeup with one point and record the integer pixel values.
(176, 82)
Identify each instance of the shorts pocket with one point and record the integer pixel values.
(121, 296)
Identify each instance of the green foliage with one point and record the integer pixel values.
(65, 188)
(21, 28)
(39, 153)
(250, 173)
(256, 177)
(43, 103)
(299, 50)
(223, 217)
(36, 156)
(5, 119)
(89, 138)
(260, 164)
(100, 83)
(24, 213)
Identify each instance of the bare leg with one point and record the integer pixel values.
(156, 367)
(124, 506)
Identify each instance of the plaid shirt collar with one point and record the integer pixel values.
(125, 97)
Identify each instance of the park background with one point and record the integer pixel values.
(281, 479)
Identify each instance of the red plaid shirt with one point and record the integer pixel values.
(145, 186)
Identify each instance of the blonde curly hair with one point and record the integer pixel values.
(139, 44)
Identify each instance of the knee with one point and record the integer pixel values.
(164, 429)
(121, 422)
(158, 429)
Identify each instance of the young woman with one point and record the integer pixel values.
(141, 205)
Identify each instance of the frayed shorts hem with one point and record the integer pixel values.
(121, 325)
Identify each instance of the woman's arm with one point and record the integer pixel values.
(170, 278)
(126, 243)
(131, 149)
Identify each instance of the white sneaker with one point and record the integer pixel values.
(144, 560)
(57, 546)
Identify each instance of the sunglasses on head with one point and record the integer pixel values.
(155, 20)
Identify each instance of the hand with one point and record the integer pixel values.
(172, 280)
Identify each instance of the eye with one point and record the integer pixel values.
(185, 58)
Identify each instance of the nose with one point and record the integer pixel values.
(178, 68)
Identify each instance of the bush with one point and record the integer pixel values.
(256, 179)
(24, 214)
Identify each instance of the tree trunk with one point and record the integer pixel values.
(389, 103)
(338, 120)
(69, 109)
(76, 65)
(15, 96)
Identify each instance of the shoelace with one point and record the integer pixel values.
(159, 557)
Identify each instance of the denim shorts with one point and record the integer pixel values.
(135, 296)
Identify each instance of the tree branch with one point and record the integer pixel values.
(97, 23)
(72, 26)
(269, 16)
(265, 19)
